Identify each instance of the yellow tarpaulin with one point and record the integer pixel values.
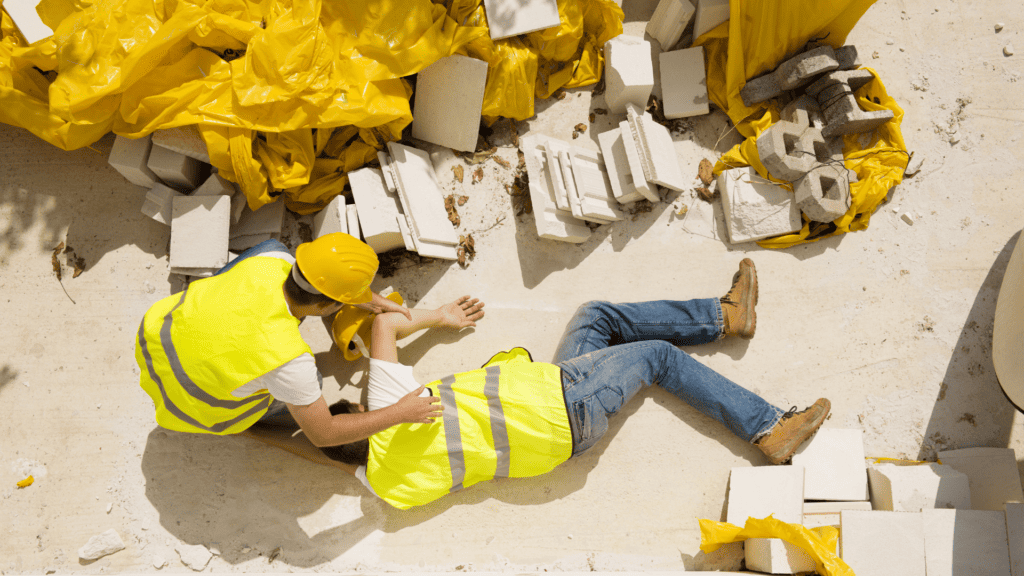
(818, 543)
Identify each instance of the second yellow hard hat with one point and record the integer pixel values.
(339, 266)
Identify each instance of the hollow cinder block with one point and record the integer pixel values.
(804, 111)
(823, 194)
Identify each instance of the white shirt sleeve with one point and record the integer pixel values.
(295, 382)
(389, 381)
(361, 476)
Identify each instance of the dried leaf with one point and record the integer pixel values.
(705, 194)
(575, 135)
(74, 260)
(273, 555)
(55, 262)
(463, 200)
(458, 172)
(592, 117)
(559, 94)
(478, 175)
(705, 171)
(581, 127)
(600, 111)
(449, 206)
(466, 250)
(502, 162)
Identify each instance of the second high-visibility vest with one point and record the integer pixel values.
(505, 420)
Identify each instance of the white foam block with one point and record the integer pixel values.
(684, 86)
(629, 73)
(709, 14)
(883, 543)
(992, 473)
(1015, 537)
(352, 220)
(514, 17)
(24, 14)
(266, 220)
(158, 203)
(617, 164)
(965, 542)
(669, 20)
(766, 490)
(776, 556)
(834, 459)
(199, 231)
(449, 100)
(420, 194)
(185, 140)
(552, 223)
(657, 152)
(636, 166)
(131, 158)
(916, 488)
(175, 169)
(377, 210)
(332, 218)
(593, 186)
(755, 208)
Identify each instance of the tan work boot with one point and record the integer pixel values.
(792, 430)
(738, 304)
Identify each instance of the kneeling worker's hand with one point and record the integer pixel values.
(415, 410)
(462, 313)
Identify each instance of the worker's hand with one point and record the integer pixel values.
(462, 313)
(415, 410)
(385, 305)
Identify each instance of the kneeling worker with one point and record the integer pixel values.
(515, 417)
(226, 352)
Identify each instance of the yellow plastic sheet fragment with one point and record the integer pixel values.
(26, 482)
(818, 543)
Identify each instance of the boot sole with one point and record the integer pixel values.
(809, 429)
(751, 326)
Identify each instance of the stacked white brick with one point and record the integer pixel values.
(834, 463)
(880, 543)
(755, 208)
(199, 234)
(817, 514)
(130, 157)
(422, 202)
(766, 490)
(656, 149)
(991, 472)
(684, 84)
(332, 218)
(176, 170)
(215, 185)
(629, 73)
(669, 20)
(514, 17)
(552, 223)
(378, 210)
(916, 488)
(449, 101)
(776, 556)
(185, 140)
(965, 542)
(617, 163)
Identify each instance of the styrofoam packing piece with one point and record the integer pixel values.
(992, 473)
(240, 243)
(755, 208)
(158, 203)
(776, 556)
(449, 101)
(199, 231)
(420, 193)
(131, 158)
(352, 221)
(332, 218)
(175, 169)
(916, 488)
(961, 542)
(657, 152)
(403, 226)
(552, 148)
(636, 167)
(593, 185)
(629, 73)
(552, 224)
(766, 490)
(266, 220)
(669, 20)
(880, 543)
(388, 170)
(1015, 536)
(514, 17)
(25, 17)
(617, 164)
(709, 14)
(185, 140)
(684, 85)
(377, 210)
(834, 462)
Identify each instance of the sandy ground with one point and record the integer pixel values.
(893, 324)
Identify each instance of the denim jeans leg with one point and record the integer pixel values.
(265, 246)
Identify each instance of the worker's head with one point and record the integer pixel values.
(355, 453)
(335, 268)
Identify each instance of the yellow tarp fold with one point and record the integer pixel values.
(818, 543)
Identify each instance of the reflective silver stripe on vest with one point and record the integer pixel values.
(499, 433)
(177, 412)
(452, 432)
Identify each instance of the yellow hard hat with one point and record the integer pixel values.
(338, 266)
(350, 321)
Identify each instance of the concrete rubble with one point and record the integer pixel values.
(195, 556)
(101, 545)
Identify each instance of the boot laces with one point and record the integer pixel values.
(793, 412)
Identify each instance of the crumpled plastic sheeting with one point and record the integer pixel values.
(267, 81)
(818, 543)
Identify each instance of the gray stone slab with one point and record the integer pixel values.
(802, 68)
(847, 57)
(760, 89)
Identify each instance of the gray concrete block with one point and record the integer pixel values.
(783, 150)
(267, 220)
(177, 170)
(831, 94)
(185, 140)
(821, 83)
(130, 157)
(847, 57)
(800, 69)
(760, 89)
(805, 112)
(846, 117)
(823, 194)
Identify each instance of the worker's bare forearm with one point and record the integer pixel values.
(390, 327)
(323, 429)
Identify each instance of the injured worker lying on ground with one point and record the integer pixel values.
(515, 417)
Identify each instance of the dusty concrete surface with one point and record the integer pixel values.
(893, 324)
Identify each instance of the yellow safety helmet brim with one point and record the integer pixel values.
(339, 266)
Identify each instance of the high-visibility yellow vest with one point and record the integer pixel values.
(505, 420)
(196, 347)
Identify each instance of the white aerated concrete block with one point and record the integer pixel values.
(916, 488)
(403, 225)
(684, 86)
(766, 490)
(617, 164)
(31, 26)
(776, 556)
(560, 180)
(199, 232)
(657, 151)
(184, 140)
(965, 543)
(883, 543)
(834, 459)
(175, 169)
(422, 201)
(377, 210)
(449, 100)
(593, 185)
(215, 186)
(131, 158)
(817, 514)
(636, 165)
(669, 20)
(331, 219)
(1015, 537)
(267, 220)
(629, 73)
(514, 17)
(992, 473)
(352, 218)
(551, 222)
(158, 203)
(388, 170)
(709, 14)
(755, 208)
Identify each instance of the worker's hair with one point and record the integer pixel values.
(300, 296)
(355, 453)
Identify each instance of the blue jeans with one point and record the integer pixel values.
(610, 351)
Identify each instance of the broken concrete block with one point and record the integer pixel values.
(776, 556)
(184, 140)
(991, 472)
(101, 545)
(804, 111)
(847, 57)
(803, 67)
(764, 87)
(766, 490)
(268, 219)
(823, 194)
(1015, 537)
(377, 210)
(669, 20)
(755, 208)
(158, 203)
(131, 158)
(914, 165)
(629, 73)
(617, 164)
(636, 166)
(514, 17)
(789, 150)
(916, 488)
(657, 152)
(332, 218)
(684, 85)
(965, 542)
(422, 201)
(834, 462)
(551, 223)
(195, 557)
(449, 100)
(883, 543)
(593, 186)
(175, 169)
(199, 231)
(25, 17)
(709, 14)
(352, 221)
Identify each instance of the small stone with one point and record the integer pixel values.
(101, 545)
(914, 166)
(875, 54)
(1008, 50)
(109, 508)
(890, 42)
(954, 138)
(246, 550)
(895, 209)
(999, 26)
(907, 218)
(159, 563)
(195, 557)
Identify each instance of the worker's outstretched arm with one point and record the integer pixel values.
(379, 305)
(388, 328)
(324, 429)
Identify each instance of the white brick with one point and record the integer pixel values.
(267, 220)
(763, 490)
(422, 202)
(883, 543)
(403, 225)
(835, 507)
(131, 158)
(776, 556)
(31, 26)
(449, 100)
(1015, 537)
(559, 186)
(199, 231)
(388, 170)
(916, 488)
(565, 164)
(754, 208)
(175, 169)
(629, 73)
(352, 218)
(669, 20)
(514, 17)
(709, 14)
(636, 166)
(215, 186)
(819, 520)
(657, 151)
(834, 459)
(684, 85)
(158, 203)
(194, 272)
(593, 187)
(184, 140)
(992, 473)
(377, 210)
(965, 542)
(331, 219)
(551, 223)
(617, 164)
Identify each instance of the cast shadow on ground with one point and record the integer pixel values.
(7, 375)
(971, 409)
